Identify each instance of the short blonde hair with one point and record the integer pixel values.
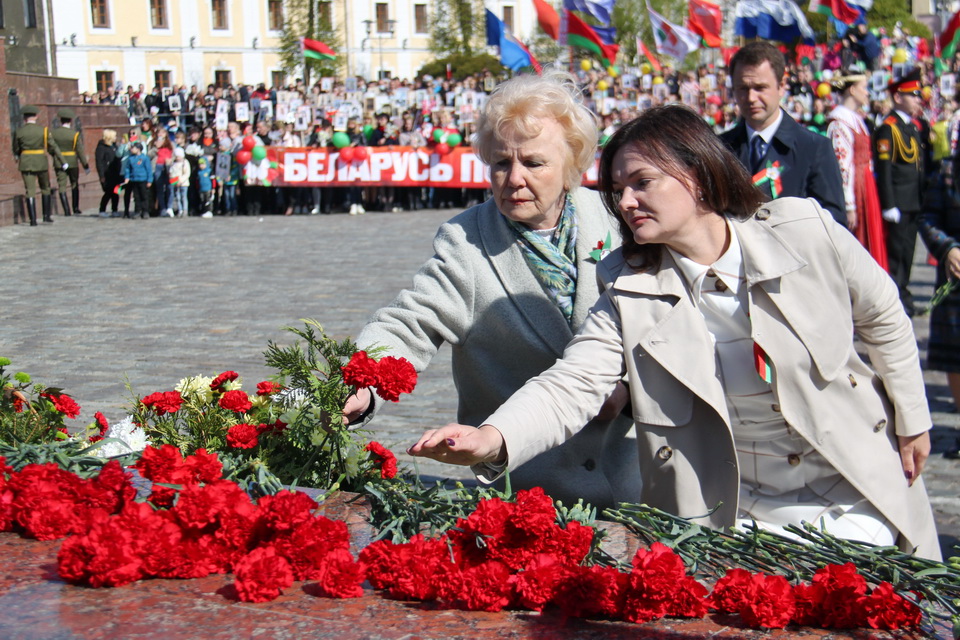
(520, 102)
(109, 136)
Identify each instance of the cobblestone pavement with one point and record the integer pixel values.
(91, 305)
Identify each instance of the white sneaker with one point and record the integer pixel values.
(353, 210)
(167, 213)
(397, 210)
(360, 209)
(314, 211)
(207, 215)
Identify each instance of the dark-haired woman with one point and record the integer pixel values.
(733, 321)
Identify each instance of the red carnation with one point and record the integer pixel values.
(64, 404)
(267, 388)
(362, 371)
(262, 575)
(222, 379)
(204, 467)
(18, 404)
(101, 422)
(242, 436)
(585, 591)
(163, 402)
(809, 603)
(732, 591)
(772, 605)
(886, 609)
(236, 401)
(396, 376)
(385, 459)
(485, 587)
(340, 575)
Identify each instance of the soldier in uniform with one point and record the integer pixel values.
(898, 149)
(70, 142)
(31, 144)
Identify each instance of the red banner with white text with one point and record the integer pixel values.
(373, 166)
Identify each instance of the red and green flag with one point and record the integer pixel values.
(580, 34)
(949, 37)
(642, 48)
(316, 50)
(838, 9)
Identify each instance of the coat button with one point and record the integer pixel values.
(763, 214)
(721, 286)
(880, 426)
(711, 273)
(793, 459)
(664, 453)
(775, 407)
(590, 465)
(853, 381)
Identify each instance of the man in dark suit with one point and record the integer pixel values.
(784, 158)
(898, 155)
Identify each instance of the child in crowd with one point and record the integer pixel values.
(138, 177)
(205, 184)
(180, 182)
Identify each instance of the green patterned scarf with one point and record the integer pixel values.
(553, 261)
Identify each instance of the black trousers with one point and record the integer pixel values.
(901, 244)
(109, 197)
(140, 193)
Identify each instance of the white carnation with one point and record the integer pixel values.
(130, 438)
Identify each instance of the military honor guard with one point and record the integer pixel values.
(70, 142)
(31, 144)
(898, 151)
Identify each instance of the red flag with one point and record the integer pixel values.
(948, 39)
(533, 59)
(836, 8)
(642, 48)
(706, 21)
(548, 18)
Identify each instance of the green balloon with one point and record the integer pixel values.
(711, 121)
(454, 139)
(819, 118)
(340, 140)
(258, 153)
(367, 130)
(437, 134)
(603, 139)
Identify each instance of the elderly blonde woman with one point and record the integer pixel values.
(734, 323)
(108, 168)
(511, 280)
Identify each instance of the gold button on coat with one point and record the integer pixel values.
(853, 381)
(793, 459)
(763, 214)
(721, 285)
(664, 453)
(775, 407)
(711, 273)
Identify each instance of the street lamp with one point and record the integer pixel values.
(390, 24)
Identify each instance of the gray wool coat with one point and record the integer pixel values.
(810, 286)
(478, 294)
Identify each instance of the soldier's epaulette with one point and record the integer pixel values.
(891, 120)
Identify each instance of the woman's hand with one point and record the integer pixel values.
(953, 263)
(462, 444)
(613, 405)
(914, 451)
(852, 218)
(356, 405)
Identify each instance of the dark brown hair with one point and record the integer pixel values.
(755, 54)
(678, 142)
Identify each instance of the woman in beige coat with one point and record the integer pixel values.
(733, 321)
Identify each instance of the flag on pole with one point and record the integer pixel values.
(548, 18)
(316, 50)
(599, 9)
(512, 55)
(838, 9)
(607, 34)
(779, 20)
(642, 48)
(949, 38)
(706, 21)
(580, 34)
(671, 39)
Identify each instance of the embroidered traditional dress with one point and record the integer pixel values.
(783, 479)
(851, 143)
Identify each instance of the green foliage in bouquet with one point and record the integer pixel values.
(32, 413)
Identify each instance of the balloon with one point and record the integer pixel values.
(819, 118)
(367, 130)
(823, 89)
(586, 65)
(340, 139)
(443, 148)
(243, 156)
(711, 121)
(360, 154)
(454, 139)
(658, 80)
(249, 143)
(602, 85)
(346, 154)
(437, 134)
(603, 139)
(927, 93)
(612, 71)
(646, 69)
(259, 153)
(899, 56)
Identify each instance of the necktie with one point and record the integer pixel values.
(758, 149)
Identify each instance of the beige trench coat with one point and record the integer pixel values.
(810, 285)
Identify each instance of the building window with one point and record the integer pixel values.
(1, 14)
(275, 14)
(325, 14)
(221, 79)
(158, 14)
(161, 79)
(30, 14)
(219, 14)
(104, 80)
(383, 18)
(99, 14)
(276, 78)
(508, 18)
(420, 18)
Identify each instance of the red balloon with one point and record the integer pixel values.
(243, 156)
(443, 148)
(249, 143)
(360, 154)
(347, 154)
